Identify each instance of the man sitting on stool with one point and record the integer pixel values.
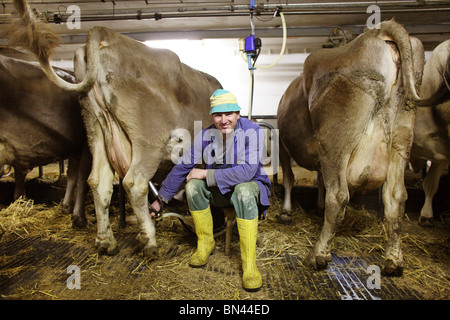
(233, 175)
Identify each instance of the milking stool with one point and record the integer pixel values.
(230, 215)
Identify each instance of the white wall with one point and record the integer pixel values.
(221, 58)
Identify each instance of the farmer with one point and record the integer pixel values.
(231, 150)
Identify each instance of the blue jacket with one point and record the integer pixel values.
(244, 164)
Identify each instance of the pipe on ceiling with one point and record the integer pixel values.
(312, 8)
(102, 16)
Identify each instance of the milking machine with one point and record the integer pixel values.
(251, 48)
(158, 214)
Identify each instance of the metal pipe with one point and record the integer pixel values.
(288, 7)
(133, 16)
(54, 2)
(242, 10)
(270, 6)
(381, 4)
(262, 7)
(109, 16)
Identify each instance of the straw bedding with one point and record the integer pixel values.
(361, 235)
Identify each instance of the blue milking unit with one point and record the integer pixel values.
(252, 45)
(252, 49)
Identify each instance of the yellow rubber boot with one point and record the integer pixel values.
(205, 239)
(248, 231)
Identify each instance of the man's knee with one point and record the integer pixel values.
(245, 200)
(197, 195)
(246, 191)
(194, 187)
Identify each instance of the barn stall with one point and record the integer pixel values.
(38, 244)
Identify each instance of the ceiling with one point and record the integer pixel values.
(310, 24)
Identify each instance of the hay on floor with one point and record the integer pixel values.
(361, 234)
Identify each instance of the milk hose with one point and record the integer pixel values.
(283, 47)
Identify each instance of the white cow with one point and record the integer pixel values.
(432, 126)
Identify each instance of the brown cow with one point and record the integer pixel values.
(40, 124)
(432, 127)
(347, 117)
(134, 97)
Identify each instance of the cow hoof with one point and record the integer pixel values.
(107, 247)
(426, 222)
(150, 252)
(67, 209)
(79, 222)
(284, 217)
(392, 269)
(316, 262)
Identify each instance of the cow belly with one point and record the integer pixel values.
(368, 162)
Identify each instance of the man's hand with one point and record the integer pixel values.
(156, 206)
(196, 174)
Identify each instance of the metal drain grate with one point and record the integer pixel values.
(345, 278)
(352, 277)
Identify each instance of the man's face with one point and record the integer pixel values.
(225, 122)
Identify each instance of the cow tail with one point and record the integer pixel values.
(31, 33)
(401, 38)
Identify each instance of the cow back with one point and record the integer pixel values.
(138, 80)
(41, 123)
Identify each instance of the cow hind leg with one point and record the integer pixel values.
(79, 216)
(430, 186)
(288, 182)
(336, 198)
(71, 182)
(320, 209)
(136, 185)
(101, 182)
(19, 183)
(394, 197)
